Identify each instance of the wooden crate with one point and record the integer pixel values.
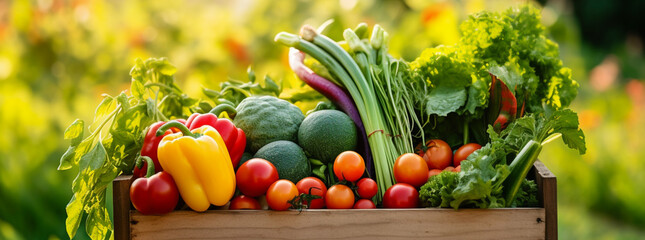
(422, 223)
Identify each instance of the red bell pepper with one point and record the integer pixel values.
(156, 193)
(234, 137)
(149, 149)
(503, 105)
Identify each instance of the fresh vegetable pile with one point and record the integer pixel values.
(460, 126)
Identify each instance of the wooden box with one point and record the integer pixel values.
(420, 223)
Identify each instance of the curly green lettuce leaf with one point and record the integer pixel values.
(453, 85)
(516, 39)
(437, 192)
(481, 177)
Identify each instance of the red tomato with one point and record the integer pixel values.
(243, 203)
(280, 193)
(367, 188)
(457, 169)
(433, 172)
(339, 197)
(436, 153)
(313, 186)
(463, 152)
(364, 204)
(401, 195)
(254, 177)
(349, 166)
(449, 168)
(411, 169)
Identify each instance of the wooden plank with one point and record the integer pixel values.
(548, 196)
(121, 200)
(518, 223)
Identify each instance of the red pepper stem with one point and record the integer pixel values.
(151, 165)
(175, 124)
(223, 107)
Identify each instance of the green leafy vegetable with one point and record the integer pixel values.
(438, 191)
(115, 141)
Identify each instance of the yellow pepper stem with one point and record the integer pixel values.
(176, 124)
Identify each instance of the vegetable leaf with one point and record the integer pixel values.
(75, 132)
(137, 89)
(481, 177)
(444, 100)
(566, 123)
(437, 192)
(74, 211)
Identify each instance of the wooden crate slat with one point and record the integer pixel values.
(516, 223)
(548, 196)
(344, 224)
(121, 202)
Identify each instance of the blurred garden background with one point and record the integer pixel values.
(58, 56)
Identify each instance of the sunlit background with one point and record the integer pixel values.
(57, 57)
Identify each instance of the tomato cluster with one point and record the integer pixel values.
(349, 167)
(258, 177)
(411, 170)
(439, 157)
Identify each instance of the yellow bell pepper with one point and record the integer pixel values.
(200, 164)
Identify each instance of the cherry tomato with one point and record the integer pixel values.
(280, 193)
(463, 152)
(449, 168)
(411, 169)
(367, 188)
(242, 202)
(433, 172)
(457, 169)
(339, 197)
(313, 186)
(254, 177)
(364, 204)
(349, 166)
(401, 195)
(436, 153)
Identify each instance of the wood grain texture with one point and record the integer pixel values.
(343, 224)
(548, 196)
(121, 201)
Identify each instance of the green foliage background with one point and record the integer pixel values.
(57, 57)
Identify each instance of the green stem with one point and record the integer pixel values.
(151, 165)
(164, 86)
(224, 108)
(184, 130)
(466, 130)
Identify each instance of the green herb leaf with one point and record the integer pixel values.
(137, 89)
(103, 108)
(320, 172)
(151, 110)
(75, 132)
(98, 221)
(187, 101)
(271, 86)
(123, 100)
(74, 211)
(67, 158)
(316, 162)
(94, 158)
